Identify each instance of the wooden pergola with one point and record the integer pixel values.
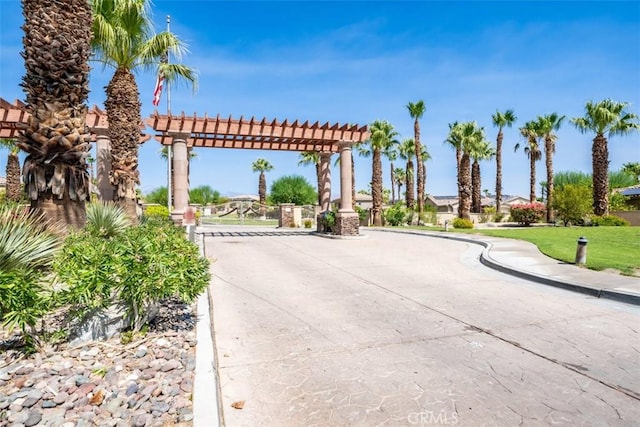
(261, 134)
(14, 116)
(182, 132)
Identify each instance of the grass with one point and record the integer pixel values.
(608, 247)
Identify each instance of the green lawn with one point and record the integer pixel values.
(608, 247)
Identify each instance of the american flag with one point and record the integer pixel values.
(159, 82)
(158, 89)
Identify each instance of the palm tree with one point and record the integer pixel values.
(406, 152)
(56, 83)
(123, 38)
(391, 153)
(465, 137)
(454, 139)
(531, 132)
(313, 158)
(381, 137)
(500, 120)
(262, 166)
(633, 169)
(399, 174)
(416, 110)
(482, 150)
(425, 157)
(548, 124)
(604, 117)
(14, 187)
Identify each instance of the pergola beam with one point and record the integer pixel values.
(255, 134)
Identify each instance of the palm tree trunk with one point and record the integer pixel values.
(409, 197)
(14, 187)
(600, 158)
(499, 171)
(420, 166)
(262, 192)
(319, 179)
(532, 177)
(123, 114)
(475, 187)
(459, 177)
(548, 145)
(376, 188)
(56, 53)
(465, 187)
(393, 189)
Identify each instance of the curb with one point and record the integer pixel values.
(486, 260)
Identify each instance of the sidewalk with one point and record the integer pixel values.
(524, 260)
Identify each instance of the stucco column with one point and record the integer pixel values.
(346, 201)
(347, 220)
(103, 161)
(180, 173)
(325, 181)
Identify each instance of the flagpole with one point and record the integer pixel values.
(170, 146)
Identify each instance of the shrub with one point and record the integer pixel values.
(395, 215)
(106, 220)
(487, 212)
(328, 221)
(308, 223)
(156, 211)
(462, 223)
(498, 217)
(27, 247)
(292, 189)
(363, 214)
(572, 203)
(137, 268)
(609, 221)
(528, 213)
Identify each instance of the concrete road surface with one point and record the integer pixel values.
(402, 330)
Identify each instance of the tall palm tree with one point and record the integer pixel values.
(262, 166)
(123, 38)
(406, 151)
(416, 110)
(547, 125)
(501, 120)
(532, 133)
(482, 150)
(382, 135)
(425, 157)
(14, 187)
(604, 117)
(464, 137)
(399, 174)
(313, 158)
(56, 83)
(391, 153)
(454, 139)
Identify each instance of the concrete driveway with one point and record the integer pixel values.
(401, 330)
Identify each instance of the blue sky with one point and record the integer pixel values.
(354, 62)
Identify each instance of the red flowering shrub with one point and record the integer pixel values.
(528, 213)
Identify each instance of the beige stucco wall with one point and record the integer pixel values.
(632, 216)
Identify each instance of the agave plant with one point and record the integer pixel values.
(27, 246)
(106, 220)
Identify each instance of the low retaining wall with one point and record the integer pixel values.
(632, 216)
